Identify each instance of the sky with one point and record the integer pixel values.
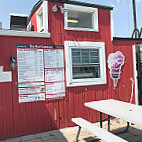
(122, 13)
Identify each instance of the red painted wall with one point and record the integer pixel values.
(29, 118)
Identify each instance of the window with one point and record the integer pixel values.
(29, 27)
(42, 17)
(81, 18)
(85, 63)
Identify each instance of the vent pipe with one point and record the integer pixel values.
(135, 18)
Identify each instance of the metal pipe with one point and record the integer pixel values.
(135, 17)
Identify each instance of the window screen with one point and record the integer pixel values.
(85, 63)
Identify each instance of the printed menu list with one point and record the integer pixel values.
(54, 73)
(30, 70)
(30, 65)
(53, 58)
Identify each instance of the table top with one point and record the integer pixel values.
(130, 112)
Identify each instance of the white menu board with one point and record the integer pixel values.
(30, 65)
(55, 88)
(53, 58)
(54, 75)
(40, 72)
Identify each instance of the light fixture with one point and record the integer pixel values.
(13, 63)
(72, 21)
(55, 8)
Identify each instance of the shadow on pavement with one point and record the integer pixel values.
(132, 135)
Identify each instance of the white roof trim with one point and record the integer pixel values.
(24, 33)
(16, 14)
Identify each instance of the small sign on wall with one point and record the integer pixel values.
(115, 62)
(5, 76)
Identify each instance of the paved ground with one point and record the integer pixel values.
(68, 134)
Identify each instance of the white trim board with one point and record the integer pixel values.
(44, 9)
(23, 33)
(16, 14)
(135, 74)
(112, 25)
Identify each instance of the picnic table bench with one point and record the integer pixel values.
(95, 130)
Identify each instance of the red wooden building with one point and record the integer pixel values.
(62, 62)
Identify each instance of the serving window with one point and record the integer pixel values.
(81, 18)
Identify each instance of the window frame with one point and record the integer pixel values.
(29, 27)
(44, 9)
(82, 9)
(69, 45)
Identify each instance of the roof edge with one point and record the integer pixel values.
(70, 2)
(126, 39)
(24, 34)
(88, 4)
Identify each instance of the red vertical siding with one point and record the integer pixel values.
(6, 104)
(29, 118)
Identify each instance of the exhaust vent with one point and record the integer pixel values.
(18, 22)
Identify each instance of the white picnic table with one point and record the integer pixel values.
(129, 112)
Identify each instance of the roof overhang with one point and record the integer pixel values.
(24, 34)
(126, 39)
(70, 2)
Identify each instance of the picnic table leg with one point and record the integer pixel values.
(78, 132)
(125, 130)
(101, 121)
(128, 124)
(108, 122)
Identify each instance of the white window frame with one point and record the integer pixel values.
(82, 9)
(85, 45)
(44, 8)
(29, 27)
